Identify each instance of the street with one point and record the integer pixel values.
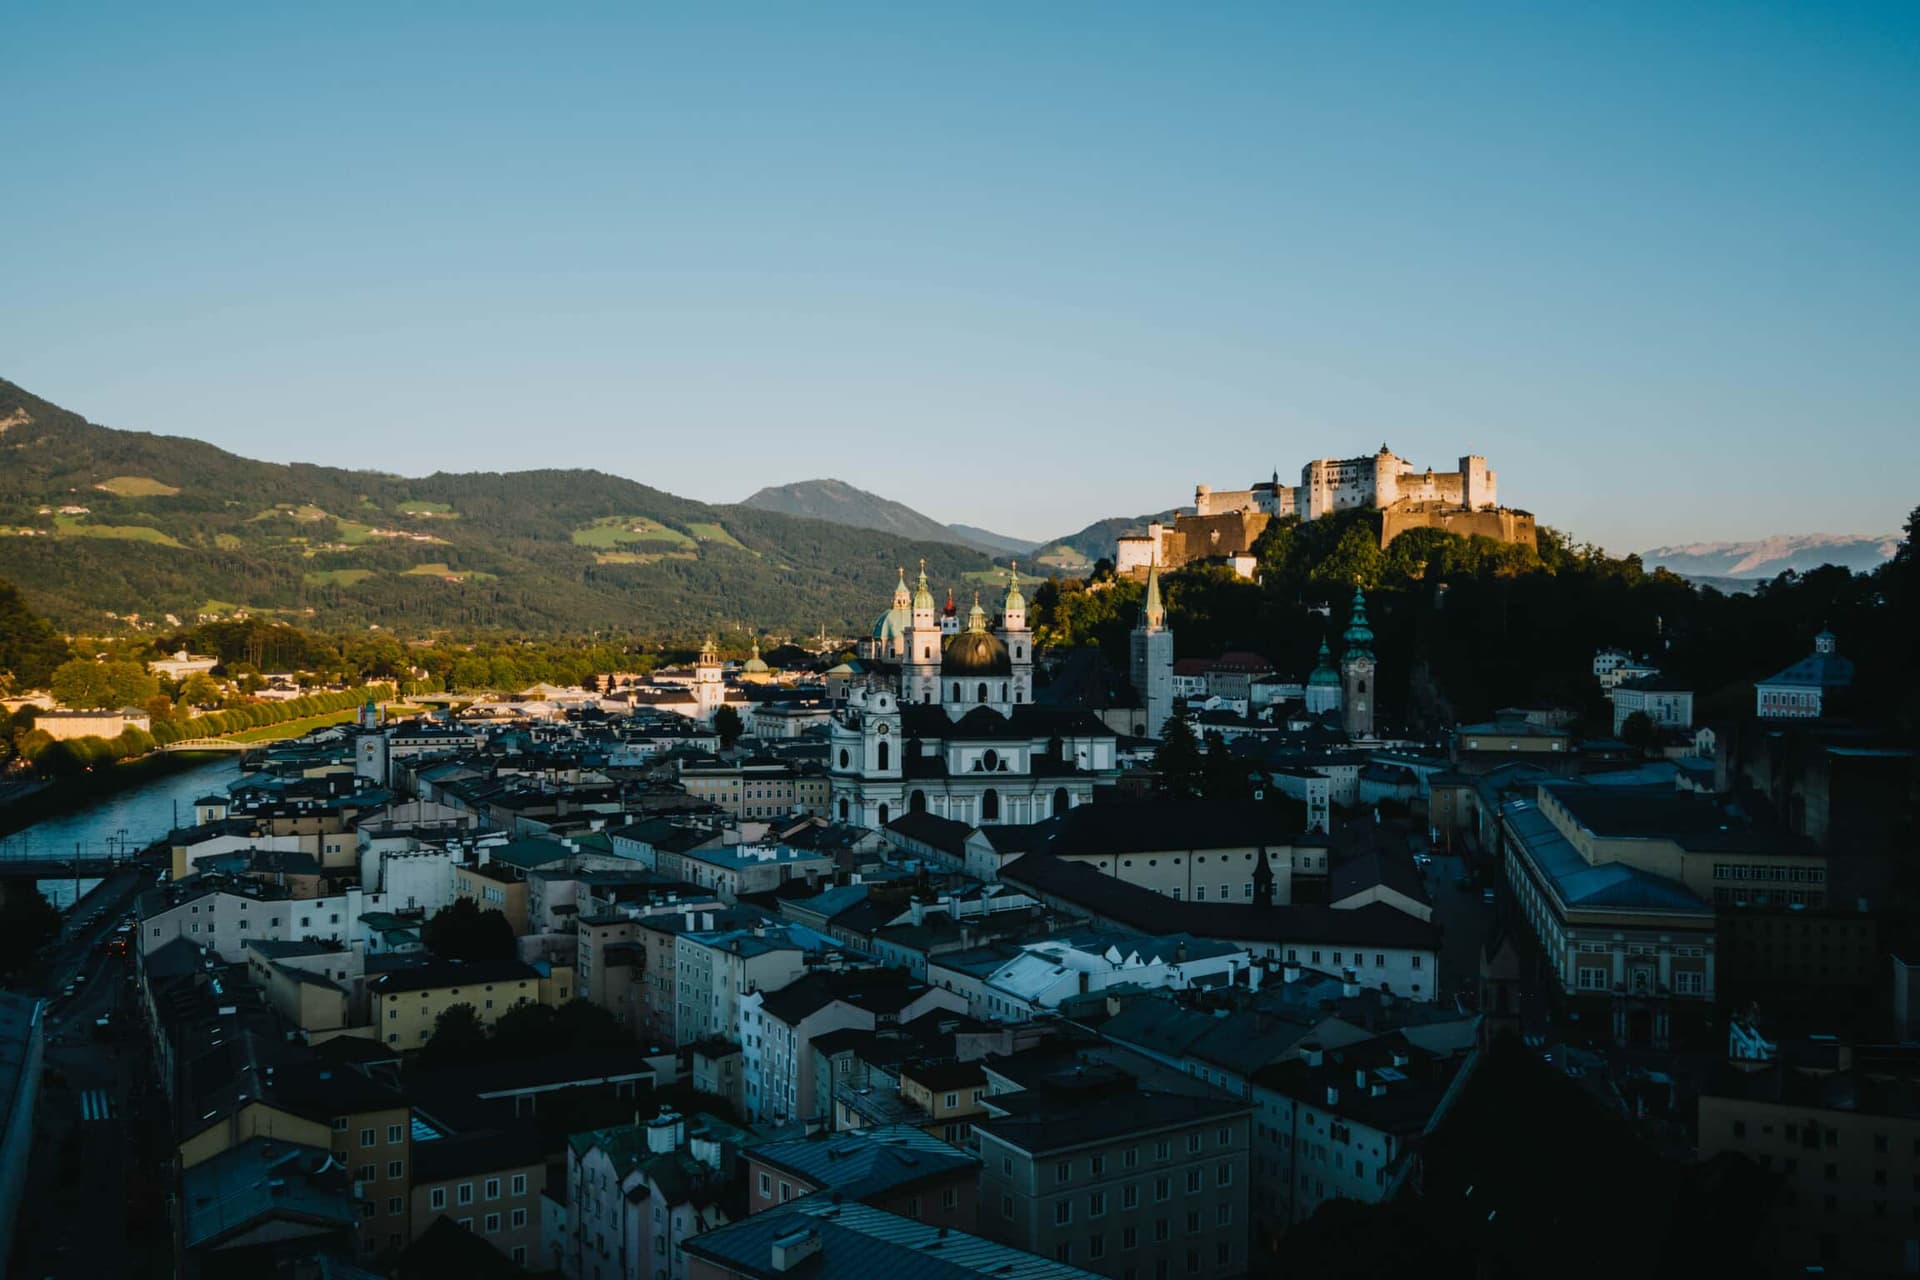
(96, 1148)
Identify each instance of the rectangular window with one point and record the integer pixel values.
(463, 1194)
(366, 1137)
(519, 1184)
(437, 1198)
(396, 1169)
(519, 1218)
(1062, 1212)
(393, 1133)
(493, 1224)
(493, 1188)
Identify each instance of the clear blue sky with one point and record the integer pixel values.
(1019, 265)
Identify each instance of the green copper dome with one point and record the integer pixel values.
(1323, 672)
(1359, 636)
(922, 593)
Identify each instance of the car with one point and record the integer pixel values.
(70, 988)
(1487, 896)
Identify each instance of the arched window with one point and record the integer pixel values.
(990, 805)
(917, 802)
(1003, 691)
(886, 754)
(1363, 686)
(982, 696)
(843, 757)
(956, 691)
(883, 815)
(1061, 801)
(843, 808)
(1018, 696)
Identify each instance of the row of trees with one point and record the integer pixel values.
(69, 756)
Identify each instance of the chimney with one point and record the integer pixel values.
(1290, 973)
(665, 1132)
(1360, 1078)
(794, 1248)
(1333, 1096)
(1311, 1052)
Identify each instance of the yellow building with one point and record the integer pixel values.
(408, 1002)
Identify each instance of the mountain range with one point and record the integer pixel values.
(1766, 558)
(97, 521)
(840, 503)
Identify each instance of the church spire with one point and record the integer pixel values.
(1153, 613)
(976, 616)
(1016, 601)
(922, 593)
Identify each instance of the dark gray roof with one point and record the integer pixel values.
(1149, 826)
(867, 1162)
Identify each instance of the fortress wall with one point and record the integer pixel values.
(1502, 525)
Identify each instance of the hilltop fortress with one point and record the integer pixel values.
(1227, 522)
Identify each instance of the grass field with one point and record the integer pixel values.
(609, 532)
(425, 509)
(137, 487)
(73, 527)
(440, 569)
(293, 728)
(228, 541)
(335, 577)
(714, 533)
(354, 534)
(640, 557)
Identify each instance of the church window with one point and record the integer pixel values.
(982, 692)
(1363, 686)
(956, 692)
(1003, 691)
(991, 759)
(883, 815)
(843, 757)
(843, 809)
(886, 753)
(917, 802)
(1061, 801)
(990, 805)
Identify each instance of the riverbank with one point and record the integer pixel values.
(62, 796)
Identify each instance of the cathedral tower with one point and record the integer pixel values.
(708, 690)
(1357, 671)
(920, 673)
(1152, 659)
(1019, 641)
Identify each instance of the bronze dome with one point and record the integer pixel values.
(974, 653)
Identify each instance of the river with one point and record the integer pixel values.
(130, 820)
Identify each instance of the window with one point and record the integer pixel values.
(766, 1185)
(786, 1192)
(950, 1198)
(493, 1188)
(437, 1198)
(1063, 1171)
(1129, 1238)
(1162, 1188)
(393, 1134)
(1006, 1206)
(1193, 1180)
(366, 1137)
(393, 1206)
(1592, 979)
(396, 1169)
(1130, 1196)
(1130, 1158)
(464, 1193)
(1223, 1176)
(363, 1174)
(1062, 1212)
(1096, 1204)
(493, 1224)
(1096, 1165)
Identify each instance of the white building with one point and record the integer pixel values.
(1660, 699)
(224, 920)
(1805, 690)
(1056, 969)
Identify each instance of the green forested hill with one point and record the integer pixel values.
(173, 525)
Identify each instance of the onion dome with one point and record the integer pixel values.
(1359, 636)
(1015, 600)
(951, 611)
(922, 593)
(901, 599)
(1323, 672)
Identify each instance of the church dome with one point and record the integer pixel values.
(756, 665)
(1323, 672)
(975, 653)
(891, 625)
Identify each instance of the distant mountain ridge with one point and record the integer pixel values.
(1768, 557)
(842, 503)
(97, 522)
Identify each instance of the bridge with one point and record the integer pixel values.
(212, 744)
(85, 867)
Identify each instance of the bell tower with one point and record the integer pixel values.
(920, 673)
(1019, 641)
(1357, 664)
(1151, 650)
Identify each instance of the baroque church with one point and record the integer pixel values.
(946, 722)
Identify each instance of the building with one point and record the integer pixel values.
(1807, 689)
(1838, 1125)
(267, 1206)
(489, 1183)
(757, 788)
(62, 725)
(1343, 1123)
(637, 1193)
(1151, 655)
(1664, 700)
(1357, 667)
(408, 1002)
(897, 1168)
(1089, 1169)
(22, 1052)
(825, 1236)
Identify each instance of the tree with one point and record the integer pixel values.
(462, 931)
(1178, 759)
(27, 922)
(1223, 777)
(200, 690)
(86, 684)
(526, 1031)
(1639, 732)
(457, 1038)
(727, 723)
